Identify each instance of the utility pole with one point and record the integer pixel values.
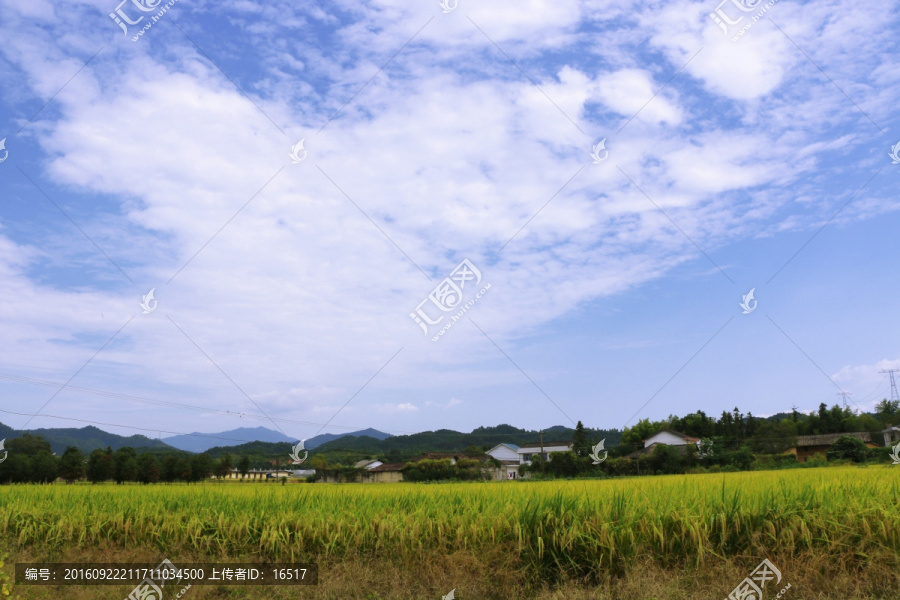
(894, 395)
(542, 450)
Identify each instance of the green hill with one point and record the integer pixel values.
(86, 439)
(404, 447)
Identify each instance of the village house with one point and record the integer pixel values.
(670, 437)
(385, 473)
(382, 473)
(666, 437)
(808, 445)
(367, 464)
(512, 457)
(508, 455)
(527, 452)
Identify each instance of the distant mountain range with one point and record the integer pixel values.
(315, 442)
(261, 441)
(201, 442)
(86, 439)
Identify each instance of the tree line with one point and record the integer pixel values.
(734, 430)
(733, 442)
(31, 460)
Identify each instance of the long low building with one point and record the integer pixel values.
(268, 473)
(809, 445)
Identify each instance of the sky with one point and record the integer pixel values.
(424, 215)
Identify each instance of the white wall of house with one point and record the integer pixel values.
(527, 453)
(664, 437)
(503, 452)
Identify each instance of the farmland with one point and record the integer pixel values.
(833, 533)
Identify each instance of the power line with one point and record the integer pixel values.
(878, 387)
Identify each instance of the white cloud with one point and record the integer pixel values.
(300, 298)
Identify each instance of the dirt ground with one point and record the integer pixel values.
(471, 578)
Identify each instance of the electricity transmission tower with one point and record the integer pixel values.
(894, 395)
(845, 396)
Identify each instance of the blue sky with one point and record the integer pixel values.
(283, 285)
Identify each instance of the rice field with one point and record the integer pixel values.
(539, 534)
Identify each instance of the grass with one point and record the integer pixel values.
(829, 525)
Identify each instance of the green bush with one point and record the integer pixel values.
(848, 448)
(465, 469)
(816, 460)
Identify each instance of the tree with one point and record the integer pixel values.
(666, 459)
(563, 464)
(125, 465)
(201, 467)
(43, 467)
(174, 467)
(15, 469)
(100, 466)
(633, 437)
(71, 465)
(28, 445)
(580, 441)
(244, 465)
(473, 451)
(847, 447)
(148, 468)
(695, 424)
(741, 458)
(888, 411)
(223, 467)
(538, 465)
(774, 437)
(319, 462)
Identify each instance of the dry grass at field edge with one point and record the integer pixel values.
(363, 578)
